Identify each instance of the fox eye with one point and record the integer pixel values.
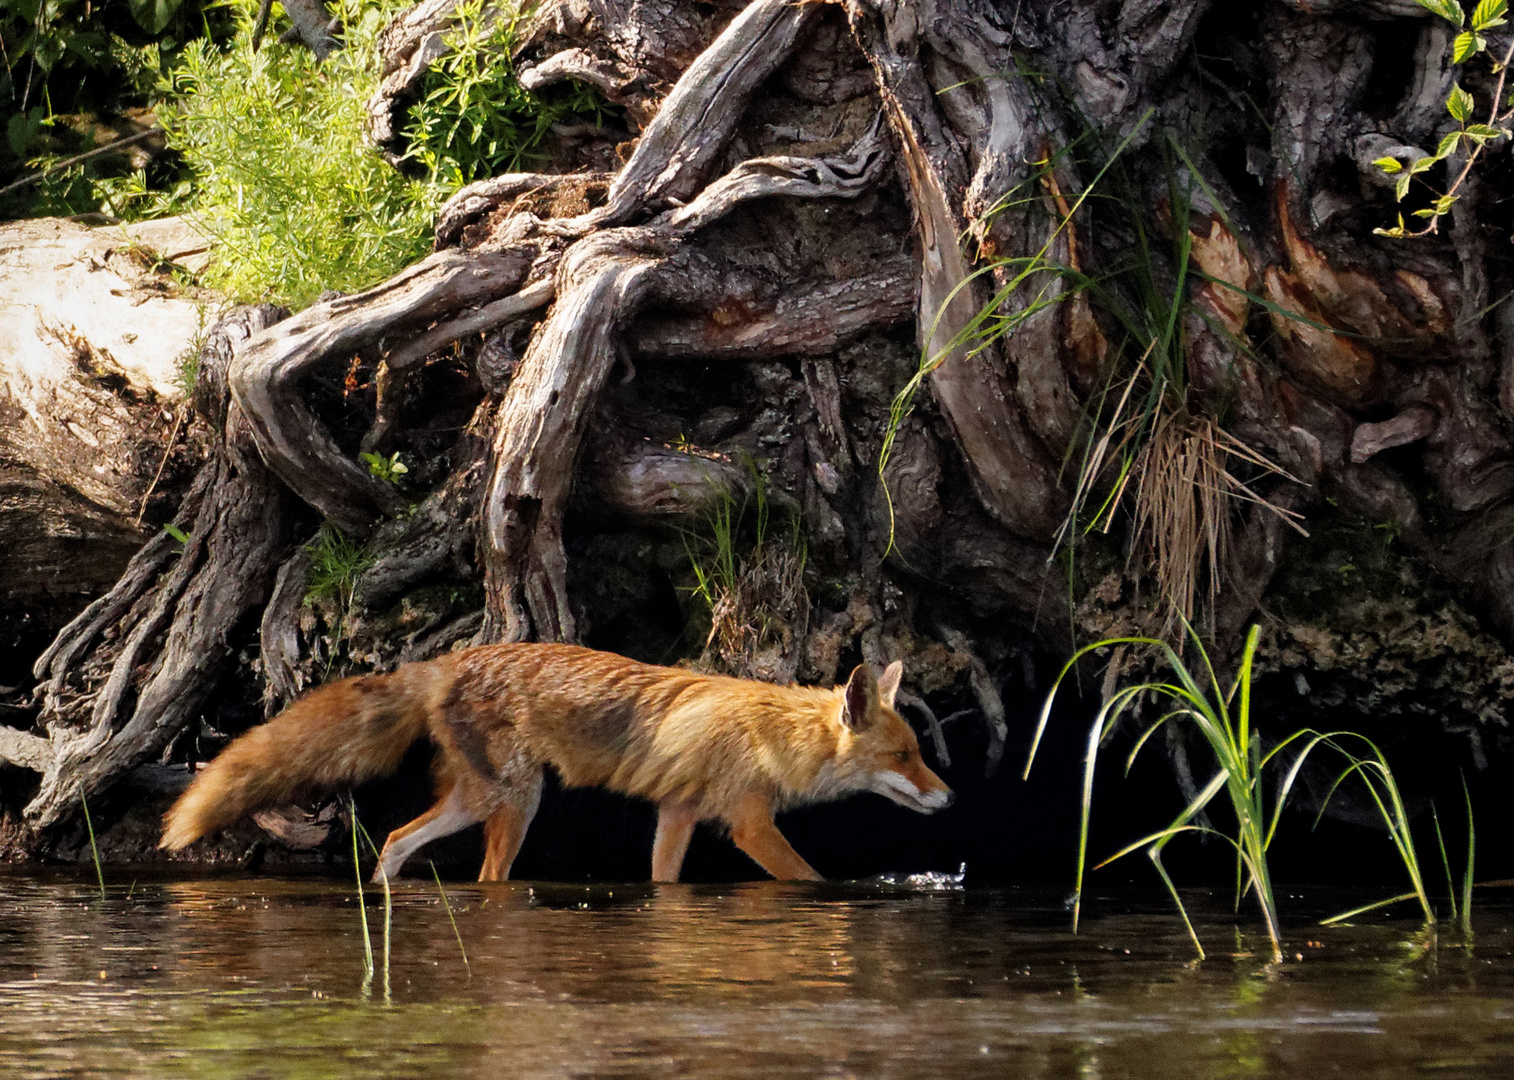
(901, 756)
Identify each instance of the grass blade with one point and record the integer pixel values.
(362, 906)
(1445, 860)
(447, 907)
(1332, 920)
(1466, 877)
(94, 850)
(1155, 854)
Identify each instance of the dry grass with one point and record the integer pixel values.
(758, 622)
(1185, 500)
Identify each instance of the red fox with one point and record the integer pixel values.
(701, 747)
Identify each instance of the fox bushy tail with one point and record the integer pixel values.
(335, 737)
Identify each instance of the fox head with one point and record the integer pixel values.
(884, 755)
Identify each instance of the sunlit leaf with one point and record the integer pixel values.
(1449, 10)
(1459, 104)
(1402, 186)
(1389, 165)
(1447, 145)
(1467, 45)
(1489, 13)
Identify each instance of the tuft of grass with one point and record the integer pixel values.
(362, 906)
(1223, 719)
(1154, 453)
(757, 601)
(336, 564)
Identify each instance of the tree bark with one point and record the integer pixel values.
(884, 268)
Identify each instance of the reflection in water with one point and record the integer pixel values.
(246, 976)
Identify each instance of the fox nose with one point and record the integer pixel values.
(951, 797)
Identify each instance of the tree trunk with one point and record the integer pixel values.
(956, 289)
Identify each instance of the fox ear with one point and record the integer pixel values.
(861, 698)
(888, 685)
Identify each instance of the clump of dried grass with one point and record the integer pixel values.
(759, 609)
(758, 624)
(1185, 500)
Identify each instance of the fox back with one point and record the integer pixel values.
(667, 733)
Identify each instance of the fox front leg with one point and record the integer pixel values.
(753, 831)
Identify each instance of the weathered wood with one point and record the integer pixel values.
(266, 375)
(720, 259)
(107, 714)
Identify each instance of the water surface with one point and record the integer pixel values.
(265, 977)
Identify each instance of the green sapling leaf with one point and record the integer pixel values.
(1467, 45)
(1389, 165)
(1459, 104)
(1449, 10)
(1489, 13)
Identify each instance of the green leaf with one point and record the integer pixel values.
(1485, 131)
(1467, 45)
(1449, 10)
(154, 15)
(1489, 13)
(1402, 187)
(1447, 145)
(1424, 164)
(177, 533)
(1459, 104)
(1389, 165)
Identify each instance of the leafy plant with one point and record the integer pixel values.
(64, 57)
(388, 469)
(1223, 719)
(297, 200)
(1469, 137)
(473, 118)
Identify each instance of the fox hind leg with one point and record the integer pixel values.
(450, 814)
(505, 829)
(675, 825)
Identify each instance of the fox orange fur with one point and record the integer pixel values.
(701, 747)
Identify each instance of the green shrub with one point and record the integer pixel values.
(285, 181)
(473, 118)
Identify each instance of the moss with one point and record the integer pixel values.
(1365, 629)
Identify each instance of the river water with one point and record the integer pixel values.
(254, 977)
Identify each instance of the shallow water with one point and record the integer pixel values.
(264, 977)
